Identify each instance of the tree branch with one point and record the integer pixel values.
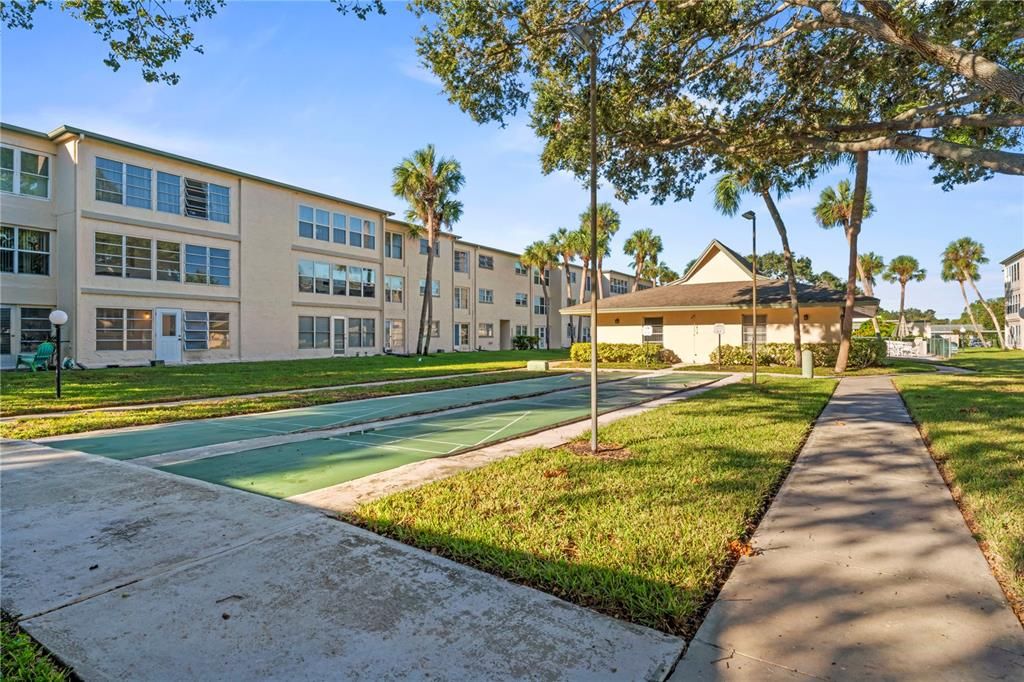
(998, 161)
(955, 121)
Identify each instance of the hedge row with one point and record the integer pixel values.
(865, 352)
(643, 354)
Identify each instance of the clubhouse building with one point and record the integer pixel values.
(717, 290)
(158, 257)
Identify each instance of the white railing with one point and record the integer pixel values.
(904, 349)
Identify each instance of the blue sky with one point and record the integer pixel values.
(299, 93)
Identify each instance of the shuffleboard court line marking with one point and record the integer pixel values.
(385, 446)
(495, 433)
(415, 438)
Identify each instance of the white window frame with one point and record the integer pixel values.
(455, 261)
(540, 305)
(389, 290)
(522, 300)
(202, 323)
(124, 329)
(485, 295)
(485, 330)
(435, 287)
(16, 172)
(16, 250)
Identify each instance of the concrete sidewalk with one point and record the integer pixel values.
(865, 568)
(126, 572)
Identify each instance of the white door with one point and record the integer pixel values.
(461, 336)
(338, 333)
(6, 337)
(394, 336)
(168, 335)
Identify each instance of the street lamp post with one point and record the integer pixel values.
(587, 39)
(58, 318)
(752, 217)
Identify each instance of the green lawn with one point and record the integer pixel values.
(79, 422)
(891, 367)
(974, 425)
(26, 392)
(22, 660)
(648, 537)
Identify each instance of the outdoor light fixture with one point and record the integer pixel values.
(752, 217)
(588, 40)
(58, 318)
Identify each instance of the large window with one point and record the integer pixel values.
(168, 261)
(424, 246)
(316, 223)
(748, 330)
(435, 329)
(542, 334)
(25, 173)
(35, 327)
(207, 201)
(462, 298)
(123, 183)
(205, 331)
(540, 305)
(109, 181)
(393, 245)
(522, 300)
(362, 282)
(486, 295)
(394, 288)
(121, 256)
(461, 261)
(435, 287)
(485, 262)
(522, 329)
(485, 330)
(339, 280)
(168, 193)
(121, 329)
(207, 265)
(314, 332)
(619, 286)
(536, 277)
(24, 251)
(362, 233)
(653, 330)
(362, 332)
(521, 269)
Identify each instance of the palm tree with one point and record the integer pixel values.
(644, 246)
(580, 242)
(728, 191)
(848, 208)
(608, 223)
(663, 274)
(429, 184)
(869, 265)
(541, 256)
(903, 269)
(564, 244)
(964, 255)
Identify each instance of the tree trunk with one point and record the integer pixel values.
(583, 289)
(860, 186)
(639, 266)
(970, 313)
(900, 328)
(794, 301)
(597, 288)
(991, 313)
(870, 291)
(426, 311)
(568, 292)
(547, 311)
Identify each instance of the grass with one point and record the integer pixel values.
(974, 426)
(27, 392)
(891, 367)
(22, 660)
(79, 422)
(648, 537)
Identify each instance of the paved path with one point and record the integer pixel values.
(867, 569)
(126, 572)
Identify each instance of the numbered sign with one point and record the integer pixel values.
(648, 330)
(719, 328)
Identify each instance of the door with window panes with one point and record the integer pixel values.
(394, 335)
(461, 336)
(6, 341)
(338, 329)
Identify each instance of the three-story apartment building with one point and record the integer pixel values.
(1013, 284)
(158, 257)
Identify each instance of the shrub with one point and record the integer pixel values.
(644, 354)
(865, 352)
(522, 342)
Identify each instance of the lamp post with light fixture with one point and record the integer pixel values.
(58, 318)
(587, 39)
(752, 217)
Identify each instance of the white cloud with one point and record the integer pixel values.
(416, 71)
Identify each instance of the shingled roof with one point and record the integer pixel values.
(711, 295)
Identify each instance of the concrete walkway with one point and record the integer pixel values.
(865, 568)
(126, 572)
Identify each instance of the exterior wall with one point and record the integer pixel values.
(1013, 281)
(718, 267)
(690, 334)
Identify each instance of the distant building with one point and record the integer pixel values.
(1013, 285)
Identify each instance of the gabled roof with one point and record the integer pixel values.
(719, 295)
(715, 244)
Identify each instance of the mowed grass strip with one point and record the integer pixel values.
(42, 427)
(22, 660)
(28, 392)
(893, 366)
(974, 426)
(646, 538)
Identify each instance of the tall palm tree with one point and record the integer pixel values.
(644, 246)
(903, 269)
(870, 264)
(564, 244)
(429, 183)
(608, 223)
(580, 241)
(847, 207)
(663, 274)
(539, 257)
(728, 191)
(965, 255)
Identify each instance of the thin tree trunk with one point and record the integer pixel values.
(991, 313)
(547, 311)
(794, 300)
(860, 186)
(970, 313)
(639, 266)
(583, 289)
(869, 289)
(568, 292)
(903, 297)
(599, 289)
(423, 345)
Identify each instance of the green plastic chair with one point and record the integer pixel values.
(38, 360)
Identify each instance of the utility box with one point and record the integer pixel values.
(537, 365)
(807, 364)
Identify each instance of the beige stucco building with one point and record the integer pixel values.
(158, 257)
(1013, 284)
(717, 290)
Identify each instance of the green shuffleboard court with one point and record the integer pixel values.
(160, 438)
(302, 466)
